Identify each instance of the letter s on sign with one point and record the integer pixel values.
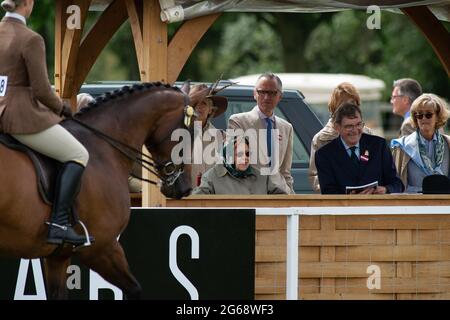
(195, 250)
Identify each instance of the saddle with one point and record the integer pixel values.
(46, 168)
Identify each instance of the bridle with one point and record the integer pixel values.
(170, 171)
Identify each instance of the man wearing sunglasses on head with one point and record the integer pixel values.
(426, 151)
(268, 93)
(404, 92)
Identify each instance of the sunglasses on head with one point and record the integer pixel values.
(427, 115)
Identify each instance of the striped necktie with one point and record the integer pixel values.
(269, 137)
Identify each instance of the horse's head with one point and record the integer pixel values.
(175, 176)
(155, 111)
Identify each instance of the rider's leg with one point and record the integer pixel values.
(57, 143)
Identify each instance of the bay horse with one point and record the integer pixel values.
(145, 114)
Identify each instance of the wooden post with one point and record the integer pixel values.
(155, 69)
(69, 55)
(60, 29)
(74, 57)
(134, 17)
(96, 39)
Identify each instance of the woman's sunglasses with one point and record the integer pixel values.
(419, 116)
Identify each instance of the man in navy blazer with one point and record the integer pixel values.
(355, 158)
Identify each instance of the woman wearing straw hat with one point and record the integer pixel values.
(207, 106)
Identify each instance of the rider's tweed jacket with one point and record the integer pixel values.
(29, 105)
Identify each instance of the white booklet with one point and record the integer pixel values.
(358, 189)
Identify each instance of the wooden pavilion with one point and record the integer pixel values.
(162, 59)
(332, 248)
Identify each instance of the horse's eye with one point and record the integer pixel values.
(169, 168)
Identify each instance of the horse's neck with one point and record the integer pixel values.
(123, 122)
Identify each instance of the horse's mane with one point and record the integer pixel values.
(125, 90)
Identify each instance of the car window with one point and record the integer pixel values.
(300, 156)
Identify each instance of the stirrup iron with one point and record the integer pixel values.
(88, 242)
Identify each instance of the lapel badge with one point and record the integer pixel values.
(365, 156)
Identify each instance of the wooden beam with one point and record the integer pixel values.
(97, 38)
(60, 30)
(136, 27)
(434, 31)
(155, 43)
(184, 42)
(155, 64)
(70, 48)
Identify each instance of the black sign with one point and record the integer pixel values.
(174, 254)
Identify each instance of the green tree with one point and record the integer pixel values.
(406, 53)
(250, 45)
(42, 21)
(397, 50)
(244, 43)
(294, 31)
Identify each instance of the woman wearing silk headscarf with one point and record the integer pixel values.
(235, 175)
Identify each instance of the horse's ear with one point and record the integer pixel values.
(186, 88)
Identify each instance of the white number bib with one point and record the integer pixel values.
(3, 85)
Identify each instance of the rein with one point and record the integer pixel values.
(170, 174)
(125, 150)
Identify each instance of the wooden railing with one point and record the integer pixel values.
(412, 252)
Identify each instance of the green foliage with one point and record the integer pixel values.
(118, 60)
(344, 45)
(42, 21)
(406, 53)
(236, 44)
(251, 47)
(397, 50)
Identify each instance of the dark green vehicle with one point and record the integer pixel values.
(292, 107)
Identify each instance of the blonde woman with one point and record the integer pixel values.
(343, 93)
(30, 111)
(425, 151)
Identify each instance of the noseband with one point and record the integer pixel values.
(171, 172)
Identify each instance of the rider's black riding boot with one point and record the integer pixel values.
(67, 187)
